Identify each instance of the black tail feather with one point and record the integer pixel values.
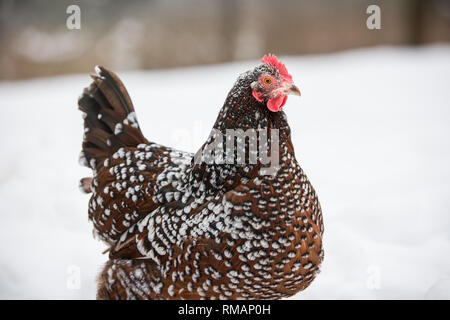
(109, 120)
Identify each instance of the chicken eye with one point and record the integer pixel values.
(267, 81)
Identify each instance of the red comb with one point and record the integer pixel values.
(273, 60)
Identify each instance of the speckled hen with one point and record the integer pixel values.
(182, 228)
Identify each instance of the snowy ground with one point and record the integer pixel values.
(371, 130)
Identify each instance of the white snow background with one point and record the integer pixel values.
(371, 130)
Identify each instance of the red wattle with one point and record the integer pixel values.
(275, 104)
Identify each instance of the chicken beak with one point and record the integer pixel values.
(292, 89)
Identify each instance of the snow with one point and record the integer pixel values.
(371, 130)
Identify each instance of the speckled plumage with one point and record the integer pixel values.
(178, 229)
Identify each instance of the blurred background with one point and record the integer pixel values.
(371, 129)
(157, 34)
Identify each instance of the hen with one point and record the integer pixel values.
(185, 226)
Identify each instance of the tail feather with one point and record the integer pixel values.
(109, 118)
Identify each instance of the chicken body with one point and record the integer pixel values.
(178, 228)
